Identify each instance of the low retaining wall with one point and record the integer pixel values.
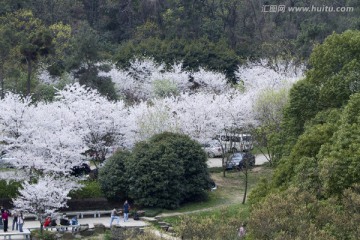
(76, 204)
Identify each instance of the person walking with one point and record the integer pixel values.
(20, 221)
(126, 210)
(5, 218)
(242, 231)
(15, 220)
(114, 215)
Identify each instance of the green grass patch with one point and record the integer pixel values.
(152, 212)
(236, 211)
(215, 169)
(230, 189)
(259, 150)
(214, 199)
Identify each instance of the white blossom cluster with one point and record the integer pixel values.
(141, 77)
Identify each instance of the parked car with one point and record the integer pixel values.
(80, 170)
(212, 149)
(239, 160)
(6, 162)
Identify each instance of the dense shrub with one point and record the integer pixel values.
(9, 189)
(89, 204)
(166, 171)
(112, 177)
(44, 235)
(297, 214)
(91, 189)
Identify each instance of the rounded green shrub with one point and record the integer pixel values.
(166, 171)
(112, 179)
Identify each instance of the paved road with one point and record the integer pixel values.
(216, 162)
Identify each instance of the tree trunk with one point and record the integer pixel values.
(28, 83)
(2, 94)
(223, 165)
(246, 185)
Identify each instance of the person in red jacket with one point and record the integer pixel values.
(5, 217)
(47, 221)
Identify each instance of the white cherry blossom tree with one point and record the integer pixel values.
(100, 123)
(43, 141)
(49, 138)
(139, 81)
(45, 196)
(269, 88)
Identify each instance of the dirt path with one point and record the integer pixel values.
(190, 212)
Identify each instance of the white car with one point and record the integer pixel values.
(6, 162)
(213, 149)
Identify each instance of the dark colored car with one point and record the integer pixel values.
(240, 160)
(81, 170)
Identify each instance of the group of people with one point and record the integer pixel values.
(18, 219)
(51, 221)
(115, 215)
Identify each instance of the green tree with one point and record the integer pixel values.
(340, 165)
(61, 34)
(39, 45)
(112, 176)
(269, 112)
(32, 41)
(302, 107)
(302, 163)
(5, 46)
(335, 69)
(166, 171)
(88, 52)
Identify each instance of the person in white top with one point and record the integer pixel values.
(20, 221)
(115, 215)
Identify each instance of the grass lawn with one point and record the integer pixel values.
(230, 190)
(259, 150)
